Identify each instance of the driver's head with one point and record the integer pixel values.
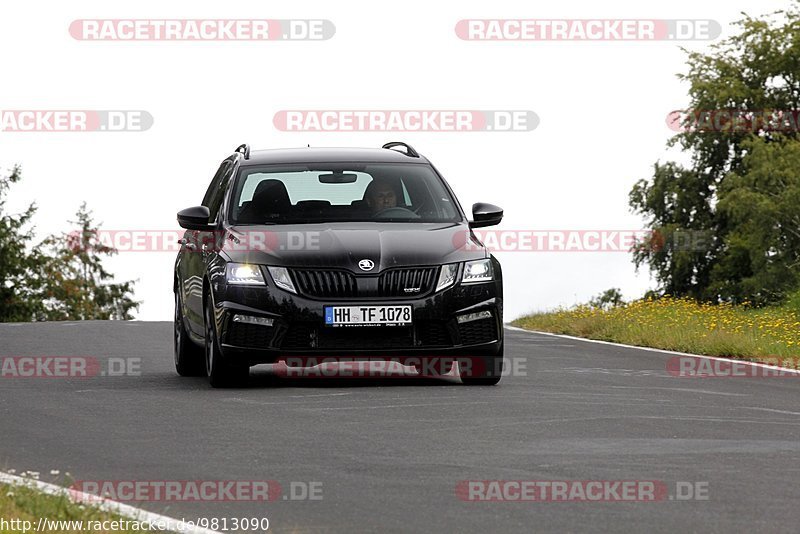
(380, 195)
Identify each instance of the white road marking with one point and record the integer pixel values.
(394, 406)
(688, 390)
(771, 410)
(649, 349)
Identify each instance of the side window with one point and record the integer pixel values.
(214, 183)
(218, 194)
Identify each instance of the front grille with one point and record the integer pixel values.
(423, 334)
(299, 336)
(249, 335)
(325, 284)
(406, 282)
(476, 332)
(433, 334)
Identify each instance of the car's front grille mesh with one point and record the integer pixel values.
(249, 335)
(406, 282)
(477, 332)
(299, 336)
(325, 284)
(302, 336)
(433, 334)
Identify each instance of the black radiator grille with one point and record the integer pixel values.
(325, 284)
(406, 282)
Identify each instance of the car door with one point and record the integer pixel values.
(193, 253)
(211, 242)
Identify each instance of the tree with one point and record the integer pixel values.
(739, 189)
(19, 283)
(761, 204)
(610, 298)
(77, 286)
(61, 278)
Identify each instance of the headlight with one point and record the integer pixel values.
(477, 271)
(447, 276)
(280, 275)
(244, 274)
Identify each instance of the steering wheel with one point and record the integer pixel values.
(424, 203)
(395, 212)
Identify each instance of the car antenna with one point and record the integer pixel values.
(244, 149)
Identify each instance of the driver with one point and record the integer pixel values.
(380, 195)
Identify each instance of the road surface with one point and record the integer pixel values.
(388, 454)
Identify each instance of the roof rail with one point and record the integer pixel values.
(244, 149)
(410, 152)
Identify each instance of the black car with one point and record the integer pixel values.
(323, 254)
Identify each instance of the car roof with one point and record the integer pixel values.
(329, 155)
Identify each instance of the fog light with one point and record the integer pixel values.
(249, 319)
(473, 316)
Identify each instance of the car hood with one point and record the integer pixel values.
(344, 245)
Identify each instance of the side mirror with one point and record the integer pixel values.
(194, 218)
(485, 215)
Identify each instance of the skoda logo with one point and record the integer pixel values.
(366, 265)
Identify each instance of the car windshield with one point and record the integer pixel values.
(352, 192)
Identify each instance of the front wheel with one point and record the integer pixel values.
(189, 358)
(221, 372)
(482, 371)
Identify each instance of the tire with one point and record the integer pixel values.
(189, 358)
(221, 372)
(484, 371)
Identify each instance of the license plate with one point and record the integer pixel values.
(367, 315)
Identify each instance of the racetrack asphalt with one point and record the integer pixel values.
(389, 453)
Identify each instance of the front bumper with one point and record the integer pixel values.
(298, 327)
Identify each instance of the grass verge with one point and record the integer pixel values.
(27, 505)
(770, 335)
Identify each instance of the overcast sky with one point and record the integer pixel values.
(602, 108)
